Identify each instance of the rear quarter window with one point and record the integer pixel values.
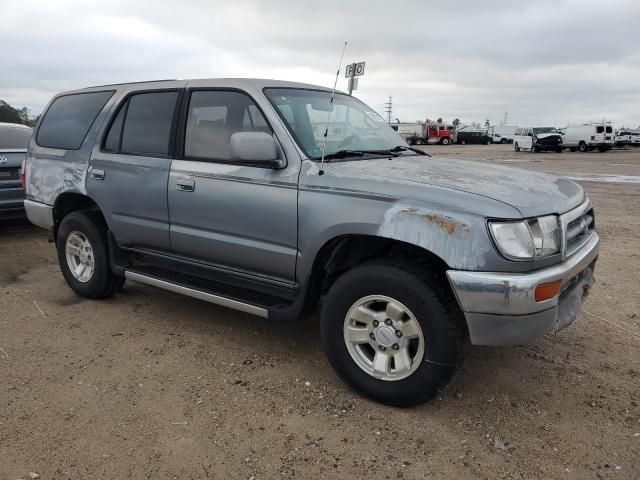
(69, 118)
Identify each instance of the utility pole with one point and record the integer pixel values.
(388, 108)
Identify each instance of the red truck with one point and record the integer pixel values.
(433, 132)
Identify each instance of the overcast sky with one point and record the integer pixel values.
(543, 61)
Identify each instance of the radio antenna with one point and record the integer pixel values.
(333, 93)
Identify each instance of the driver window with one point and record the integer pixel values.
(215, 115)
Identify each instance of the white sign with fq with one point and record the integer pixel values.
(351, 72)
(354, 70)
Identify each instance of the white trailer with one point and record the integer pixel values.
(409, 130)
(502, 133)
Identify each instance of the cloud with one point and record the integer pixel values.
(543, 62)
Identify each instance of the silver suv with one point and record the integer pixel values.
(242, 193)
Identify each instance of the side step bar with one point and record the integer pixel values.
(199, 294)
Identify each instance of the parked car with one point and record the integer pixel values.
(537, 139)
(588, 137)
(477, 136)
(222, 190)
(502, 133)
(627, 137)
(14, 139)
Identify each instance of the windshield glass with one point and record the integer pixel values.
(544, 130)
(354, 126)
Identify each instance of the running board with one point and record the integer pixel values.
(199, 294)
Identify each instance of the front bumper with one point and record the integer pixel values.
(500, 308)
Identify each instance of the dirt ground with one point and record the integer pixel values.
(150, 384)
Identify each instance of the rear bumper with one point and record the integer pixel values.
(500, 308)
(11, 205)
(39, 214)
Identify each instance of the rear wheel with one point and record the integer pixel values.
(582, 147)
(83, 256)
(463, 142)
(559, 150)
(504, 140)
(390, 333)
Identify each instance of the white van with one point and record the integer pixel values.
(589, 137)
(537, 139)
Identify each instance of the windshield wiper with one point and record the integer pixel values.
(404, 148)
(344, 154)
(392, 152)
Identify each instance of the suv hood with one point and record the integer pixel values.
(531, 193)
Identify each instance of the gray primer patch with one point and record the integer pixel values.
(449, 238)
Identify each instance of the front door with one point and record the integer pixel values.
(237, 217)
(130, 169)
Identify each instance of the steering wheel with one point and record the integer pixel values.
(347, 141)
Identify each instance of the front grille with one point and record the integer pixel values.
(554, 140)
(579, 229)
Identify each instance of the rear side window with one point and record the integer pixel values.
(143, 124)
(69, 118)
(609, 129)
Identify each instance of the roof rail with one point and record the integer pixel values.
(133, 83)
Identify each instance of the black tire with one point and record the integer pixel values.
(463, 142)
(582, 147)
(446, 141)
(428, 298)
(516, 147)
(572, 149)
(504, 140)
(559, 150)
(103, 283)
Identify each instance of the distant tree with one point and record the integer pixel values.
(487, 122)
(9, 114)
(439, 120)
(456, 122)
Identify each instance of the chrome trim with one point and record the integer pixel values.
(565, 220)
(190, 292)
(39, 214)
(514, 293)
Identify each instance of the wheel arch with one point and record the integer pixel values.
(68, 202)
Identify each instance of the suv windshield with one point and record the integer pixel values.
(544, 130)
(354, 126)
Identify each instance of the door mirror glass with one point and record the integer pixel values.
(257, 148)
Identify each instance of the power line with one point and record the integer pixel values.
(388, 109)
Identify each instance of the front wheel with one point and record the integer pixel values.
(391, 333)
(84, 257)
(516, 147)
(446, 141)
(582, 147)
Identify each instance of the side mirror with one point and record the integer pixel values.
(255, 148)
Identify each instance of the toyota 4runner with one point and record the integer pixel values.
(238, 192)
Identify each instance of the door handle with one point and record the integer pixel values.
(186, 185)
(96, 174)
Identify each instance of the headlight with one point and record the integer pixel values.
(535, 139)
(527, 239)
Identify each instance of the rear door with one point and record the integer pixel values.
(130, 168)
(237, 217)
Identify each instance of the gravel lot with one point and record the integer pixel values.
(150, 384)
